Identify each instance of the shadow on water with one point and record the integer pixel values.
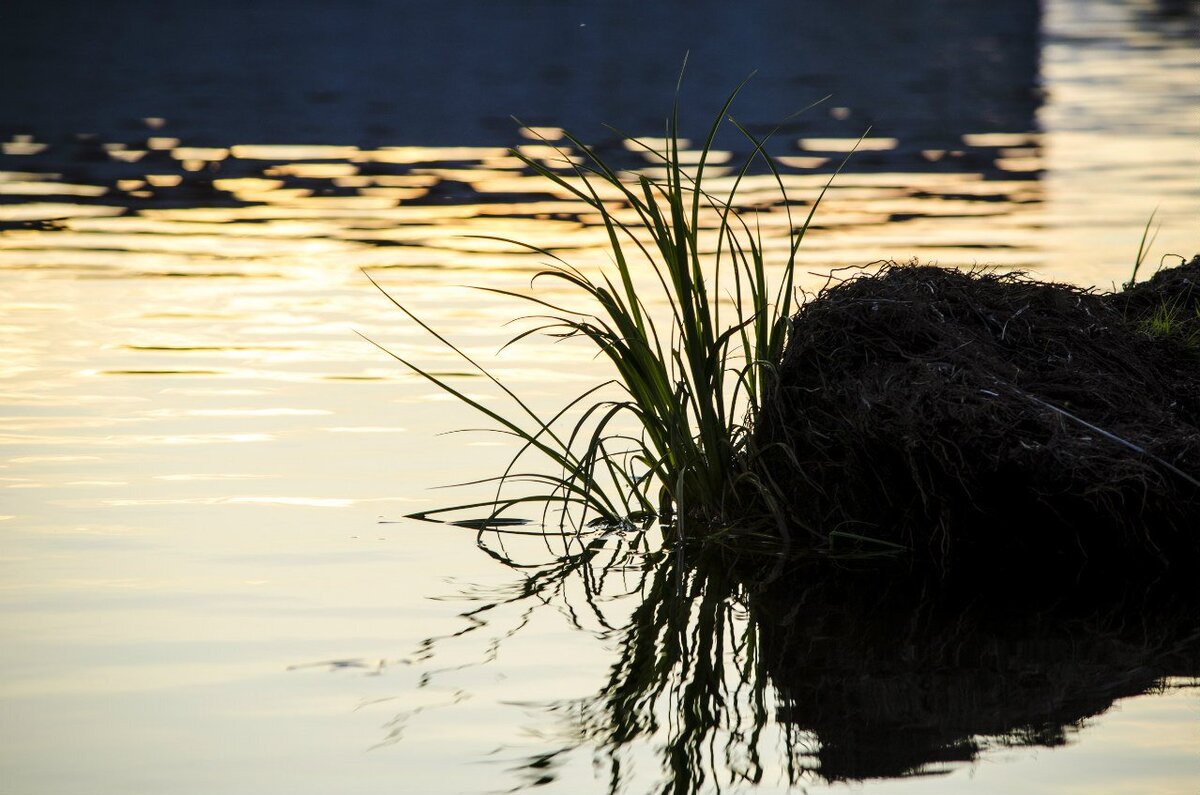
(737, 670)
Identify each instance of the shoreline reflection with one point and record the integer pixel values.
(732, 669)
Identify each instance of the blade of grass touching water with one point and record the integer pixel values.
(691, 390)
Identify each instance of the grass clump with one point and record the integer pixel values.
(1171, 320)
(1176, 315)
(690, 380)
(965, 416)
(977, 416)
(1165, 307)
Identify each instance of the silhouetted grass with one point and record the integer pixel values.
(692, 382)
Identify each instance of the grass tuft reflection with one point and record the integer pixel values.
(732, 669)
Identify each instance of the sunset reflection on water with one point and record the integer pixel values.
(196, 449)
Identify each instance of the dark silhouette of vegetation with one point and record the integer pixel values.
(998, 427)
(953, 415)
(985, 415)
(738, 669)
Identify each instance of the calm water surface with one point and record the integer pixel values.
(208, 585)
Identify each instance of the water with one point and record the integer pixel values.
(198, 594)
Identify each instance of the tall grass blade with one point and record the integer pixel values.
(678, 437)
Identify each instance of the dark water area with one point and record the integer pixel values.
(453, 73)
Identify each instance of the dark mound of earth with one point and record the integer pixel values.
(986, 415)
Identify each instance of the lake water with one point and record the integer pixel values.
(208, 583)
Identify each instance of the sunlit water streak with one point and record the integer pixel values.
(195, 447)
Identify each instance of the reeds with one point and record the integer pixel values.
(691, 378)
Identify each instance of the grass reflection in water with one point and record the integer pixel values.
(737, 666)
(735, 669)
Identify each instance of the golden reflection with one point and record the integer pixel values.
(40, 188)
(301, 502)
(273, 412)
(656, 144)
(384, 199)
(135, 440)
(28, 176)
(411, 155)
(352, 182)
(1019, 164)
(1000, 140)
(364, 429)
(479, 176)
(22, 483)
(212, 392)
(20, 148)
(802, 161)
(401, 180)
(543, 133)
(194, 439)
(290, 152)
(688, 172)
(172, 372)
(247, 185)
(46, 211)
(654, 150)
(397, 195)
(207, 245)
(306, 502)
(207, 154)
(313, 170)
(154, 224)
(506, 162)
(550, 155)
(507, 183)
(847, 145)
(25, 423)
(207, 476)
